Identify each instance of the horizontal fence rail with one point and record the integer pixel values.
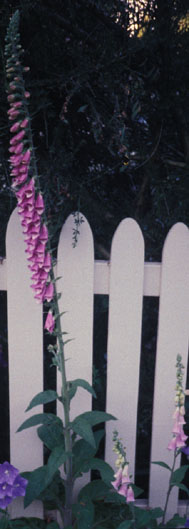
(126, 279)
(151, 284)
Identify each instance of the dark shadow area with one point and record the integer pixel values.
(100, 331)
(49, 376)
(4, 382)
(146, 390)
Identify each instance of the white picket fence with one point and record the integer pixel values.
(126, 279)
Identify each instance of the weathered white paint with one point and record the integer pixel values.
(25, 358)
(124, 335)
(172, 340)
(126, 279)
(151, 284)
(76, 268)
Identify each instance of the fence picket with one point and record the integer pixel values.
(76, 268)
(124, 335)
(25, 359)
(172, 340)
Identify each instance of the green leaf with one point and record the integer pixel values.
(40, 418)
(161, 464)
(37, 482)
(51, 495)
(57, 458)
(79, 382)
(125, 525)
(96, 417)
(81, 426)
(178, 475)
(43, 398)
(51, 435)
(95, 490)
(137, 490)
(175, 521)
(182, 487)
(107, 473)
(142, 517)
(157, 512)
(84, 513)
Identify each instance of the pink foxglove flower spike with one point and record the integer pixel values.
(30, 201)
(179, 437)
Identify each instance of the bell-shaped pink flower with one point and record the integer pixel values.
(123, 489)
(49, 292)
(49, 322)
(39, 204)
(43, 235)
(26, 157)
(47, 262)
(15, 127)
(24, 123)
(117, 482)
(18, 137)
(130, 495)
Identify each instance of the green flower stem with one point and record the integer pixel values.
(67, 434)
(170, 487)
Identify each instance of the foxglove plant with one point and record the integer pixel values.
(31, 208)
(179, 438)
(122, 482)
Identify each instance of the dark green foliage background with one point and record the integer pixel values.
(109, 113)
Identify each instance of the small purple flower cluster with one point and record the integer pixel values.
(12, 484)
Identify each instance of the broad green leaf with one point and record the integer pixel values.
(51, 434)
(51, 495)
(57, 458)
(142, 517)
(107, 473)
(84, 513)
(178, 475)
(40, 418)
(37, 482)
(137, 490)
(43, 398)
(80, 382)
(83, 450)
(95, 490)
(175, 521)
(157, 512)
(81, 426)
(96, 417)
(182, 487)
(125, 525)
(161, 464)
